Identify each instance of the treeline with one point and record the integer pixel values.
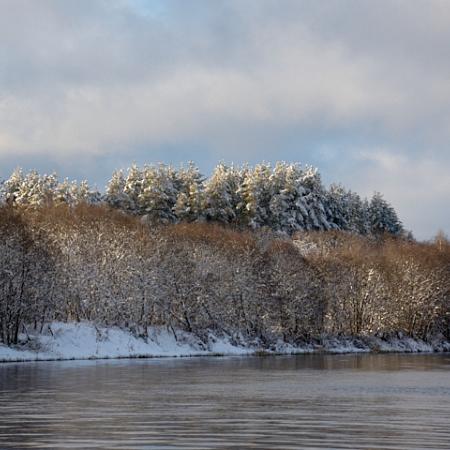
(95, 263)
(285, 198)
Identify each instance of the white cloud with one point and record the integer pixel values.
(89, 78)
(417, 187)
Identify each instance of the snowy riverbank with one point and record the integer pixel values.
(62, 341)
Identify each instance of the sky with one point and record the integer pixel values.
(358, 88)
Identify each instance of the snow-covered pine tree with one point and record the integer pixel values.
(299, 208)
(133, 189)
(383, 218)
(190, 201)
(66, 193)
(159, 193)
(85, 194)
(12, 185)
(115, 194)
(257, 191)
(288, 208)
(346, 210)
(31, 189)
(359, 215)
(315, 200)
(338, 207)
(221, 196)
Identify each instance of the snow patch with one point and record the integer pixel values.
(86, 341)
(61, 341)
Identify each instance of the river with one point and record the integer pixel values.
(308, 402)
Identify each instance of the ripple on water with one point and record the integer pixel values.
(307, 401)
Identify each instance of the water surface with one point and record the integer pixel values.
(308, 402)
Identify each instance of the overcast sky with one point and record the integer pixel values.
(360, 89)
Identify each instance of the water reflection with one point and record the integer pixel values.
(310, 402)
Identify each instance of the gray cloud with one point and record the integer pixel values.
(359, 88)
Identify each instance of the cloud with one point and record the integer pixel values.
(418, 187)
(113, 82)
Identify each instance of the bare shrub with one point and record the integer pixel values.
(86, 262)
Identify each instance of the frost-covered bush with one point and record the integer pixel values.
(26, 275)
(91, 262)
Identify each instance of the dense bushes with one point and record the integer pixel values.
(26, 275)
(95, 263)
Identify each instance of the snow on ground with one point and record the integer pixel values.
(85, 341)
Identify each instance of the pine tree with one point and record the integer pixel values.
(257, 191)
(133, 189)
(346, 210)
(12, 185)
(31, 189)
(288, 207)
(190, 201)
(66, 193)
(159, 193)
(115, 194)
(315, 199)
(85, 194)
(338, 207)
(221, 196)
(360, 217)
(383, 218)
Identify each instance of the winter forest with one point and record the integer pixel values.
(259, 254)
(285, 198)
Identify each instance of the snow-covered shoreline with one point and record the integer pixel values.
(69, 341)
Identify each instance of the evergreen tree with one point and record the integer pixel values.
(347, 211)
(383, 218)
(66, 193)
(31, 189)
(257, 191)
(115, 194)
(315, 199)
(85, 194)
(190, 201)
(338, 207)
(288, 208)
(222, 194)
(133, 189)
(159, 193)
(12, 185)
(360, 218)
